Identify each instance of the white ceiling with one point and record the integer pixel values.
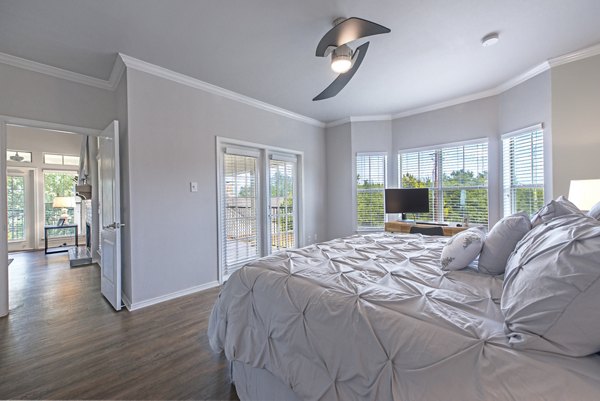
(265, 48)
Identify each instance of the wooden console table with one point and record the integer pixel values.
(60, 248)
(404, 227)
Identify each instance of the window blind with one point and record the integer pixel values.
(239, 209)
(523, 171)
(370, 187)
(457, 177)
(282, 199)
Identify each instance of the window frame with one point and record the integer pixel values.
(358, 228)
(62, 158)
(262, 183)
(29, 152)
(530, 130)
(441, 188)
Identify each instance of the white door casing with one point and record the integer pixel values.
(110, 224)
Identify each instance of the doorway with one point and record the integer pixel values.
(28, 197)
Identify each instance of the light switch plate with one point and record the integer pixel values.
(193, 187)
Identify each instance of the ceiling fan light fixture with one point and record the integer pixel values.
(341, 59)
(16, 157)
(341, 64)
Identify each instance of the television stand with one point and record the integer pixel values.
(432, 223)
(404, 227)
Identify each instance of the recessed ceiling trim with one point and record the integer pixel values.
(158, 71)
(54, 71)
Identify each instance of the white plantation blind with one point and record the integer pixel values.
(282, 202)
(457, 177)
(370, 187)
(523, 171)
(239, 210)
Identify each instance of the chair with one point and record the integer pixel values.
(436, 230)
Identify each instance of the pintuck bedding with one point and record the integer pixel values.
(374, 317)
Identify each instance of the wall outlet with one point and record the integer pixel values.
(193, 187)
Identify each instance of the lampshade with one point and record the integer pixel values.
(584, 193)
(63, 202)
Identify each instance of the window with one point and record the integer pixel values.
(258, 204)
(64, 160)
(18, 156)
(15, 202)
(370, 187)
(59, 184)
(457, 177)
(523, 170)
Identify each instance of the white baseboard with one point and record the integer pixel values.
(152, 301)
(126, 301)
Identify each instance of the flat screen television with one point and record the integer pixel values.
(407, 200)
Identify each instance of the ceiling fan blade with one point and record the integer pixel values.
(342, 80)
(347, 31)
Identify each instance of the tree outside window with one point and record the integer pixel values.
(58, 183)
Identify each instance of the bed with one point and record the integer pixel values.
(374, 317)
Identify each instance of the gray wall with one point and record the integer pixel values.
(575, 122)
(171, 138)
(39, 141)
(525, 105)
(464, 122)
(36, 96)
(339, 181)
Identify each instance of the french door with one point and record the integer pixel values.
(20, 211)
(258, 204)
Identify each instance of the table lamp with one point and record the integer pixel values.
(584, 193)
(63, 202)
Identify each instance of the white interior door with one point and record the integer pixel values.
(110, 223)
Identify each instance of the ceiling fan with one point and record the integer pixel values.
(16, 157)
(344, 60)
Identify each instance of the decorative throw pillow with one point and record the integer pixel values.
(595, 211)
(462, 248)
(501, 241)
(551, 290)
(558, 207)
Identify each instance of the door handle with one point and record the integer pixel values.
(114, 226)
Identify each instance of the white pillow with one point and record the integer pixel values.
(551, 289)
(558, 207)
(595, 211)
(501, 241)
(462, 248)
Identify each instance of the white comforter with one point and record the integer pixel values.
(375, 318)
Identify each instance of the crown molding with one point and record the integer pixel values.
(161, 72)
(358, 119)
(123, 61)
(54, 71)
(341, 121)
(575, 56)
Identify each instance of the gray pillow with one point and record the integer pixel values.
(558, 207)
(551, 291)
(500, 242)
(462, 248)
(595, 211)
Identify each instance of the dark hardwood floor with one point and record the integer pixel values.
(62, 340)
